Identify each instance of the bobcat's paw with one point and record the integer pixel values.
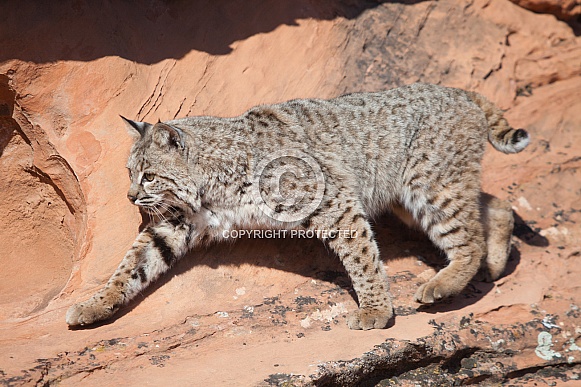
(88, 312)
(432, 291)
(367, 318)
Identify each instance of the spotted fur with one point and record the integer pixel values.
(415, 150)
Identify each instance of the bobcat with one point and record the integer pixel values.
(316, 164)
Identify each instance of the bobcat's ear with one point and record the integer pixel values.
(165, 134)
(136, 126)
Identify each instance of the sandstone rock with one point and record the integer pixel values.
(43, 213)
(563, 9)
(273, 311)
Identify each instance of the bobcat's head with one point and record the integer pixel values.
(159, 172)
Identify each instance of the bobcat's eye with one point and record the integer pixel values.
(148, 176)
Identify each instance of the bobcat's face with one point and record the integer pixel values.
(151, 189)
(161, 181)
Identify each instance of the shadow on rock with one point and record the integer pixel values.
(307, 257)
(527, 234)
(44, 32)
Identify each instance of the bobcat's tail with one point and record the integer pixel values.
(501, 135)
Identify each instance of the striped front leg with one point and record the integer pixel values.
(154, 251)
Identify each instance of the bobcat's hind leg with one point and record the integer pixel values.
(404, 215)
(154, 251)
(498, 221)
(451, 219)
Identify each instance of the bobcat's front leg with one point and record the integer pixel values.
(352, 240)
(154, 251)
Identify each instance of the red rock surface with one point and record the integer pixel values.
(563, 9)
(269, 311)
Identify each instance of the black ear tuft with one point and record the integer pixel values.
(140, 127)
(519, 135)
(166, 134)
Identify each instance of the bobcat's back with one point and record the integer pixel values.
(381, 145)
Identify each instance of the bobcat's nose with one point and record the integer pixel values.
(133, 193)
